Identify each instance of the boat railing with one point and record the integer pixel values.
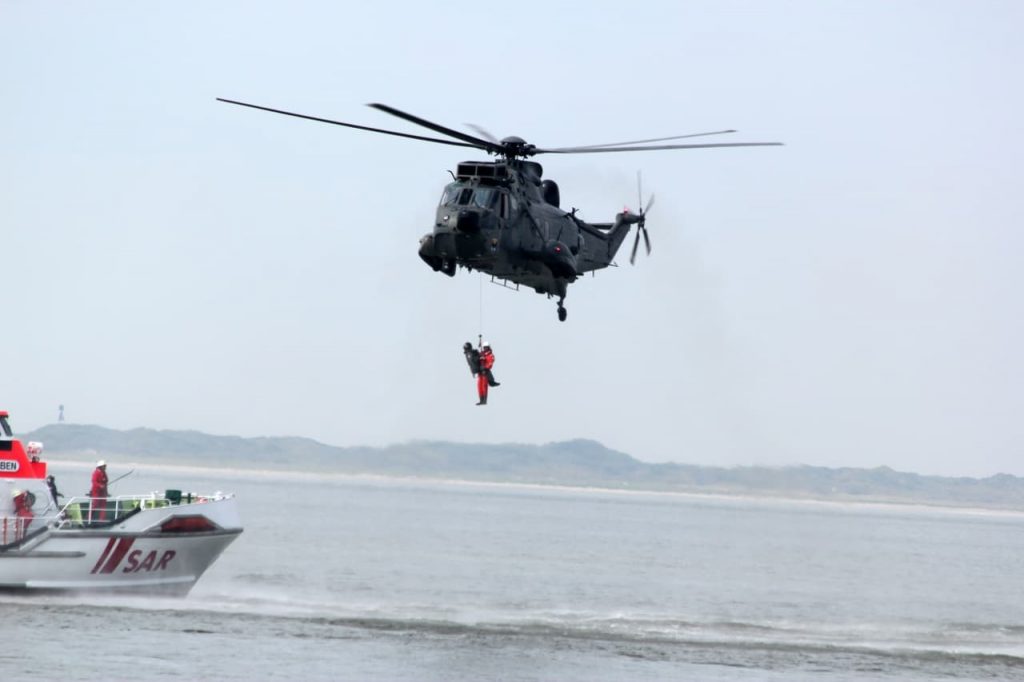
(85, 511)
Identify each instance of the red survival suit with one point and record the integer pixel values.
(486, 362)
(23, 510)
(98, 493)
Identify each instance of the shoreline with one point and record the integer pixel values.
(868, 504)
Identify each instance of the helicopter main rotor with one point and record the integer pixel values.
(510, 147)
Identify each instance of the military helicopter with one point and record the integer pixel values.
(502, 218)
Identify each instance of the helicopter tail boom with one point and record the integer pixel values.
(620, 230)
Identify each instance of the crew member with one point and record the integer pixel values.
(55, 494)
(487, 371)
(472, 357)
(23, 512)
(484, 378)
(98, 493)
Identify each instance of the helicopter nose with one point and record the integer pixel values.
(469, 222)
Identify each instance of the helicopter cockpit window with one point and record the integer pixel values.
(457, 194)
(484, 197)
(451, 194)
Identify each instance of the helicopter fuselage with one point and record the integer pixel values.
(501, 219)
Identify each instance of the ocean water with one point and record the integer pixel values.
(369, 578)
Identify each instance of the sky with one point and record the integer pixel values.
(852, 298)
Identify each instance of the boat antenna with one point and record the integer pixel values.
(121, 476)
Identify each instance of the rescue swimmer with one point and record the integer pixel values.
(480, 363)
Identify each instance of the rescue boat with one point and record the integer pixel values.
(160, 542)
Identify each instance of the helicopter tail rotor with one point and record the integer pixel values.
(641, 222)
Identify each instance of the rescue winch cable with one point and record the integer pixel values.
(480, 328)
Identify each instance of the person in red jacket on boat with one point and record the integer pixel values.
(98, 493)
(485, 377)
(23, 511)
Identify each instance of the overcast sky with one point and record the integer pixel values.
(850, 299)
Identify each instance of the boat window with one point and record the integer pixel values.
(6, 427)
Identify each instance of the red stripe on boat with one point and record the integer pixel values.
(123, 545)
(103, 557)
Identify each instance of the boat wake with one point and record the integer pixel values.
(964, 649)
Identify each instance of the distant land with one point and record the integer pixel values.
(583, 463)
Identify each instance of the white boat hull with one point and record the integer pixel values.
(152, 550)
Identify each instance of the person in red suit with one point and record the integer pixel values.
(485, 378)
(98, 493)
(22, 510)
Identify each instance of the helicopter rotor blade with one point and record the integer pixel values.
(653, 139)
(636, 243)
(483, 133)
(347, 125)
(641, 227)
(437, 128)
(599, 150)
(639, 193)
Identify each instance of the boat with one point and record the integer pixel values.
(154, 543)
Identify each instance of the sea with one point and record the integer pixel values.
(370, 578)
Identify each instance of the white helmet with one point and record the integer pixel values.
(15, 494)
(101, 463)
(485, 345)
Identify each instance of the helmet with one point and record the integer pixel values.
(15, 494)
(101, 463)
(485, 344)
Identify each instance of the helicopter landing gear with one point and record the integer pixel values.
(448, 266)
(561, 309)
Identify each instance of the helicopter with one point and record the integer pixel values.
(503, 218)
